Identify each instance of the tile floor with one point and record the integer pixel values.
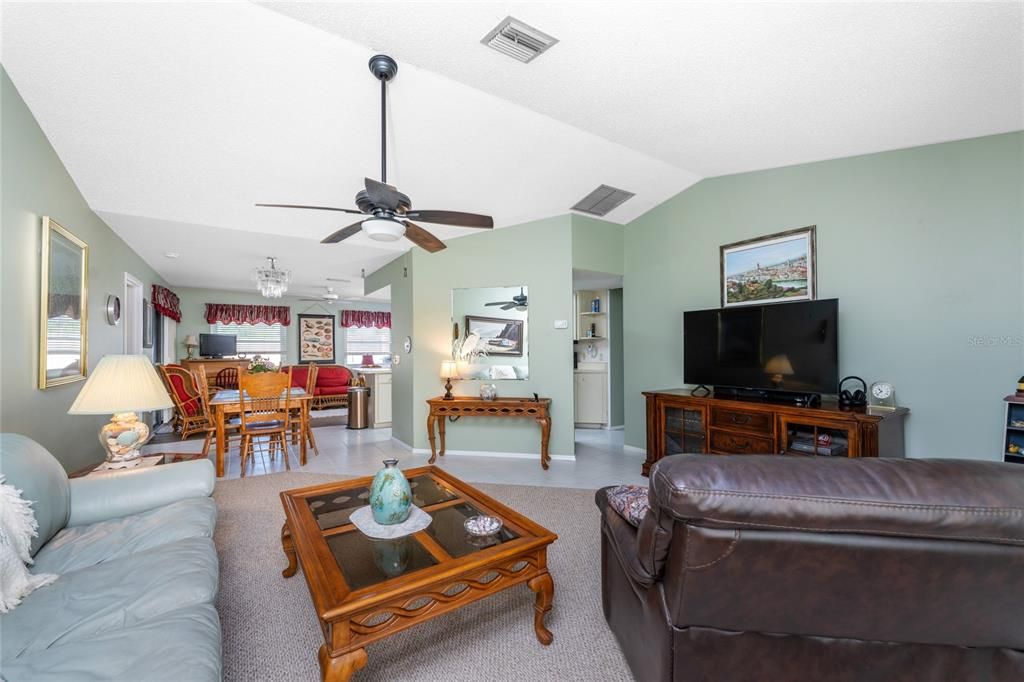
(600, 460)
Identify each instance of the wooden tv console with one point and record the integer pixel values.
(678, 422)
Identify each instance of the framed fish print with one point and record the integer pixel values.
(316, 339)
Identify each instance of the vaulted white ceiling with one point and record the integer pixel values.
(174, 118)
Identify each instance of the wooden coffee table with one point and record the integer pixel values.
(364, 590)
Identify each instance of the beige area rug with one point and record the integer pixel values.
(271, 632)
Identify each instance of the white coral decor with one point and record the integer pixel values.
(17, 528)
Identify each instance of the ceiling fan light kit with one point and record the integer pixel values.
(389, 212)
(383, 229)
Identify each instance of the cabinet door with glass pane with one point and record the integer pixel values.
(684, 430)
(814, 437)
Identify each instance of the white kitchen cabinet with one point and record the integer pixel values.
(379, 383)
(591, 398)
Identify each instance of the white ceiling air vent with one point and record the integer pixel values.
(517, 40)
(602, 200)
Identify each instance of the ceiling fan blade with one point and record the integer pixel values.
(456, 218)
(420, 237)
(508, 306)
(383, 195)
(343, 233)
(496, 303)
(316, 300)
(315, 208)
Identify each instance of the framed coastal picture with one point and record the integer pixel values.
(63, 306)
(316, 339)
(775, 268)
(499, 336)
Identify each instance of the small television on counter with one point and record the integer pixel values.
(768, 351)
(217, 345)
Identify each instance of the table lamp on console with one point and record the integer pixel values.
(191, 343)
(449, 371)
(122, 385)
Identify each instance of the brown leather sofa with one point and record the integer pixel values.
(775, 569)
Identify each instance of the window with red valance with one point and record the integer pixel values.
(366, 318)
(228, 313)
(166, 302)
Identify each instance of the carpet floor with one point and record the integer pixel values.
(271, 632)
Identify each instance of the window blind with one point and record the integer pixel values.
(367, 341)
(255, 339)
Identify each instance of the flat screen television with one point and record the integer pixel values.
(217, 345)
(790, 347)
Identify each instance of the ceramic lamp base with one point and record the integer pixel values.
(123, 436)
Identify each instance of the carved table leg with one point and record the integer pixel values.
(545, 589)
(431, 420)
(545, 437)
(440, 432)
(341, 668)
(289, 551)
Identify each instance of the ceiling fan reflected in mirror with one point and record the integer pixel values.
(389, 213)
(519, 302)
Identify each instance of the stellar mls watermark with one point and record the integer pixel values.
(995, 341)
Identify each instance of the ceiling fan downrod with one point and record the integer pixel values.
(383, 69)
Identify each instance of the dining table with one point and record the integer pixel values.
(226, 403)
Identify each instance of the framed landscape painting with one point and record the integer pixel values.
(316, 339)
(776, 268)
(499, 336)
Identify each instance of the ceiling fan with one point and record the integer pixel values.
(388, 212)
(328, 297)
(519, 302)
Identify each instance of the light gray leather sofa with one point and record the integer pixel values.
(138, 573)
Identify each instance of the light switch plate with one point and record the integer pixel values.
(561, 324)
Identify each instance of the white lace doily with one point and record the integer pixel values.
(362, 519)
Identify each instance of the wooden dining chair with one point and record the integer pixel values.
(227, 378)
(189, 415)
(304, 377)
(264, 407)
(206, 394)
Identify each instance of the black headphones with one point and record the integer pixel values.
(858, 398)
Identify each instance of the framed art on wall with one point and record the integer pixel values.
(316, 339)
(775, 268)
(63, 306)
(148, 318)
(499, 336)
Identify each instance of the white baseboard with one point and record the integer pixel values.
(482, 453)
(633, 448)
(403, 444)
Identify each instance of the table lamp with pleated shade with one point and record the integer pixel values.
(122, 385)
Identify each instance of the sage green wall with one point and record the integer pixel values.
(193, 315)
(597, 245)
(923, 247)
(398, 275)
(616, 369)
(537, 255)
(35, 183)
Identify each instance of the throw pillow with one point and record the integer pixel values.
(630, 501)
(17, 528)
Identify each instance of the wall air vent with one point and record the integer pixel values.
(602, 200)
(517, 40)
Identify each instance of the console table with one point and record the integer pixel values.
(213, 365)
(506, 408)
(678, 422)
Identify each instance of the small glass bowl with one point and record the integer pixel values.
(482, 526)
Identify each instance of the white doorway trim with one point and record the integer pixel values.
(132, 314)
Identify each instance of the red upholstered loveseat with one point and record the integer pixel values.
(332, 382)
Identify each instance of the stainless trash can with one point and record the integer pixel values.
(358, 403)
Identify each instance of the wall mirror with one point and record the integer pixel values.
(63, 312)
(490, 332)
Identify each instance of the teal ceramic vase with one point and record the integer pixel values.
(390, 495)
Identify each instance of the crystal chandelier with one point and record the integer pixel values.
(271, 281)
